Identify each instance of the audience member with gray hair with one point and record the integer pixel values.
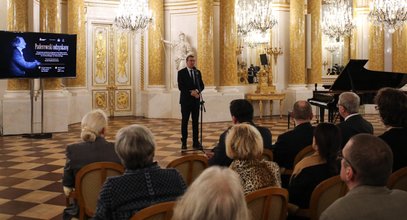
(354, 123)
(392, 106)
(93, 148)
(143, 184)
(366, 164)
(215, 194)
(244, 145)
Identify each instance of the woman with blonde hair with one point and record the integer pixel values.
(244, 145)
(215, 194)
(93, 148)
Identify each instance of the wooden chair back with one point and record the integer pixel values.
(190, 166)
(324, 194)
(160, 211)
(268, 203)
(398, 179)
(267, 154)
(306, 151)
(89, 181)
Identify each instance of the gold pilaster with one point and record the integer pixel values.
(376, 48)
(315, 73)
(142, 63)
(353, 38)
(399, 55)
(346, 49)
(50, 21)
(297, 42)
(17, 20)
(76, 25)
(205, 41)
(155, 46)
(228, 37)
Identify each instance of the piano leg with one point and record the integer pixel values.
(321, 114)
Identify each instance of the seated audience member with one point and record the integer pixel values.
(143, 184)
(291, 142)
(321, 165)
(241, 111)
(93, 148)
(392, 104)
(215, 194)
(354, 123)
(245, 146)
(365, 168)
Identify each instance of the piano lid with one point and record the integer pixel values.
(354, 77)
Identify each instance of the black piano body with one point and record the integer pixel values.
(354, 77)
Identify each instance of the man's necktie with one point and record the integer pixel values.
(192, 76)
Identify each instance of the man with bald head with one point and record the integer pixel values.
(366, 164)
(291, 142)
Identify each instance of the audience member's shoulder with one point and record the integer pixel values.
(400, 194)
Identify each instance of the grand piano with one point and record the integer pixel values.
(354, 77)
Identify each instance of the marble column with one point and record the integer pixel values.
(155, 46)
(17, 20)
(399, 55)
(315, 73)
(50, 21)
(76, 25)
(297, 42)
(354, 37)
(376, 48)
(228, 38)
(205, 56)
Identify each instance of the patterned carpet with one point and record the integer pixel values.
(31, 169)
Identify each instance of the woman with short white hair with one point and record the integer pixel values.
(215, 194)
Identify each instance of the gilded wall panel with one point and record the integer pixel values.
(123, 71)
(123, 100)
(100, 47)
(100, 100)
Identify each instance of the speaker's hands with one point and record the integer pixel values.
(195, 93)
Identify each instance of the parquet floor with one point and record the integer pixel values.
(31, 169)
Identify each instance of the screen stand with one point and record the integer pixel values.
(41, 135)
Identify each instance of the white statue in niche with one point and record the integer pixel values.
(182, 50)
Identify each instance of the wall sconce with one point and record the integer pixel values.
(275, 52)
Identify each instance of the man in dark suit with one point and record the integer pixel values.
(242, 112)
(291, 142)
(18, 65)
(190, 85)
(354, 123)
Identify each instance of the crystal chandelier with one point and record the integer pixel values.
(389, 14)
(337, 19)
(133, 15)
(254, 16)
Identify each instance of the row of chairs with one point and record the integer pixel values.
(265, 204)
(90, 179)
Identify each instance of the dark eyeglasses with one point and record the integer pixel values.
(341, 157)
